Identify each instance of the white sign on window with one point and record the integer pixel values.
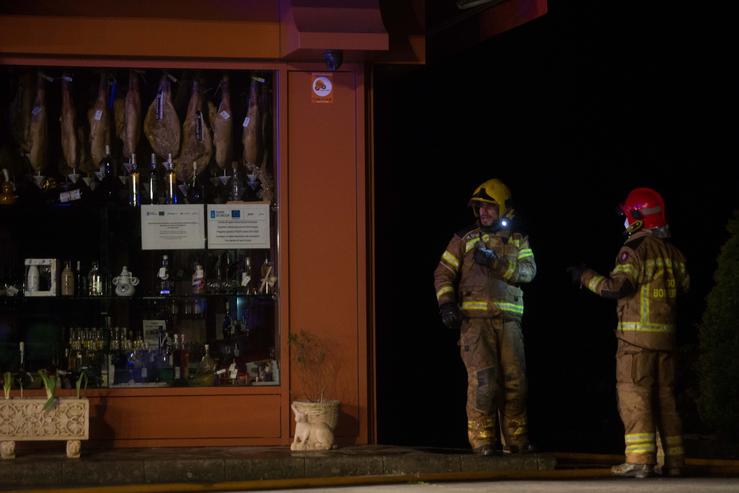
(232, 226)
(172, 227)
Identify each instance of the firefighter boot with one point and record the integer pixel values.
(627, 470)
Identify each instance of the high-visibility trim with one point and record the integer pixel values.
(475, 305)
(644, 327)
(444, 290)
(470, 244)
(508, 274)
(624, 268)
(525, 253)
(641, 449)
(484, 306)
(644, 304)
(638, 437)
(450, 259)
(510, 307)
(595, 282)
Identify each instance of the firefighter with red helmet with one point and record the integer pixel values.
(477, 287)
(649, 275)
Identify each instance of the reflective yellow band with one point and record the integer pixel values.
(441, 292)
(640, 449)
(524, 253)
(450, 259)
(508, 274)
(595, 282)
(675, 451)
(644, 304)
(510, 307)
(638, 437)
(475, 305)
(644, 327)
(470, 244)
(625, 268)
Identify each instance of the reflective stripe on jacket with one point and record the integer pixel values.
(649, 275)
(485, 291)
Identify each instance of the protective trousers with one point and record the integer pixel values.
(493, 353)
(645, 380)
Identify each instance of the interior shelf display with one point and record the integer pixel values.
(138, 227)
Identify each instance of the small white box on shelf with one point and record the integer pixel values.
(41, 277)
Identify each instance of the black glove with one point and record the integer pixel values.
(484, 255)
(450, 315)
(575, 272)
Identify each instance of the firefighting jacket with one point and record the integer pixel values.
(649, 275)
(484, 291)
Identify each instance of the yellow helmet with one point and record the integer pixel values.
(494, 192)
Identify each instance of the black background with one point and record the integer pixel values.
(571, 111)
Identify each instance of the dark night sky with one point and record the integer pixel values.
(571, 111)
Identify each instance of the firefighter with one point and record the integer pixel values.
(649, 275)
(477, 287)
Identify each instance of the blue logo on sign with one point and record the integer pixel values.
(213, 214)
(235, 213)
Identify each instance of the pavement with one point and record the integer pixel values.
(231, 467)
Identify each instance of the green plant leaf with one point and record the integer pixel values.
(7, 383)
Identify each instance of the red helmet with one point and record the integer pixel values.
(646, 206)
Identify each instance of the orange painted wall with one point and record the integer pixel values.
(327, 229)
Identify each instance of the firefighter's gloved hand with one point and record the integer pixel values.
(575, 272)
(484, 255)
(450, 315)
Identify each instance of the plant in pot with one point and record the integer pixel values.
(49, 418)
(316, 368)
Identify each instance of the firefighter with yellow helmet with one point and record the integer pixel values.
(649, 275)
(477, 287)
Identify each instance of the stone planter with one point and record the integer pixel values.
(26, 420)
(314, 424)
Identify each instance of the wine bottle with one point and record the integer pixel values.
(170, 185)
(153, 181)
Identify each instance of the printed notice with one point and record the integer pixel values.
(238, 226)
(172, 227)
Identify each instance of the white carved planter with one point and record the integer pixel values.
(314, 424)
(26, 420)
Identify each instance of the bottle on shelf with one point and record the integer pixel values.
(170, 182)
(195, 191)
(67, 280)
(80, 281)
(95, 285)
(227, 326)
(108, 185)
(134, 183)
(153, 181)
(183, 357)
(166, 286)
(236, 189)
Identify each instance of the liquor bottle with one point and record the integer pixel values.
(207, 367)
(80, 281)
(227, 324)
(108, 186)
(195, 191)
(134, 184)
(67, 280)
(176, 366)
(268, 277)
(236, 191)
(246, 283)
(166, 286)
(153, 181)
(95, 281)
(170, 182)
(184, 359)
